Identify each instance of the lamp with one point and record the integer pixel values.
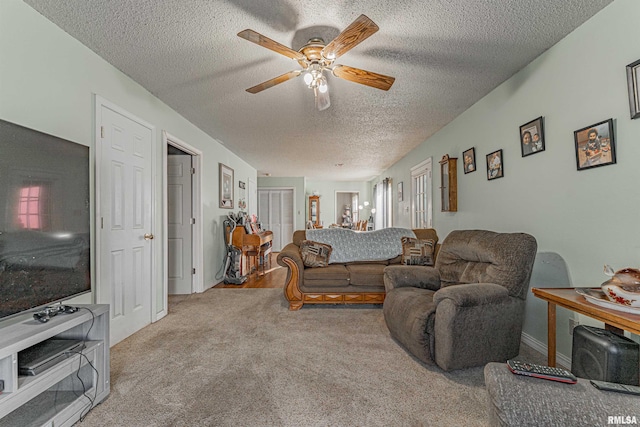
(366, 206)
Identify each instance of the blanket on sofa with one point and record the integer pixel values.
(349, 245)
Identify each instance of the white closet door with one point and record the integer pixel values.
(288, 220)
(263, 209)
(275, 215)
(275, 211)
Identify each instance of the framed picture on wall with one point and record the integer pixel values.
(226, 187)
(595, 145)
(469, 158)
(495, 165)
(532, 137)
(633, 81)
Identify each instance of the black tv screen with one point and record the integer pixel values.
(44, 219)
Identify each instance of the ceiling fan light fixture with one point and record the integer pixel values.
(308, 78)
(322, 85)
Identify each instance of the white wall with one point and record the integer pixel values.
(588, 217)
(47, 82)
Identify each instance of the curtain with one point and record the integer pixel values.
(382, 195)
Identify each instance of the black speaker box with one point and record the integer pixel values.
(599, 354)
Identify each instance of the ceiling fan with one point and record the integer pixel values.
(315, 58)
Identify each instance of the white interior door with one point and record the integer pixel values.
(125, 226)
(276, 212)
(180, 224)
(274, 215)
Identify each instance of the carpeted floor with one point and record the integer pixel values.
(239, 357)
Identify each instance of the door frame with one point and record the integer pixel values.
(335, 203)
(100, 102)
(197, 279)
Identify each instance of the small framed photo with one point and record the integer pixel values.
(400, 191)
(226, 187)
(241, 185)
(532, 137)
(495, 165)
(469, 158)
(595, 145)
(633, 80)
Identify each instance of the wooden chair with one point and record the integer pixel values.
(361, 225)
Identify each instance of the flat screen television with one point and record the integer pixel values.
(44, 219)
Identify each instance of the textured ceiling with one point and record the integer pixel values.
(444, 54)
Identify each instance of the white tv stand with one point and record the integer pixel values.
(54, 397)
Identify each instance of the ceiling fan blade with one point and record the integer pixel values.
(275, 81)
(263, 41)
(322, 99)
(379, 81)
(359, 30)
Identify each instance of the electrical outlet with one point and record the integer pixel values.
(572, 324)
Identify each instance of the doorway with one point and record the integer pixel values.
(347, 214)
(183, 250)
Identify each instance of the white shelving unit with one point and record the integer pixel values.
(55, 397)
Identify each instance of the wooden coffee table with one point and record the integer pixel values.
(614, 320)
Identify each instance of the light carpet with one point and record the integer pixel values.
(239, 357)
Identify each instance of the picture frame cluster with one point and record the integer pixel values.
(595, 145)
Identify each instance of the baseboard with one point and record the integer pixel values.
(537, 345)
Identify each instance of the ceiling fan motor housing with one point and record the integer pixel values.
(313, 52)
(317, 56)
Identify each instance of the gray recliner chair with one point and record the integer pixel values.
(468, 309)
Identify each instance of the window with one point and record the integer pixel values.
(33, 207)
(421, 196)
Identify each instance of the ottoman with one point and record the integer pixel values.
(517, 400)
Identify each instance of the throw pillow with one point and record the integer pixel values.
(417, 251)
(315, 254)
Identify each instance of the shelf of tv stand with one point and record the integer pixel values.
(25, 400)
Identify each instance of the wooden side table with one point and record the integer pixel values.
(614, 320)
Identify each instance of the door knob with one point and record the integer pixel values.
(148, 236)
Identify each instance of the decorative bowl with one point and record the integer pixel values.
(623, 287)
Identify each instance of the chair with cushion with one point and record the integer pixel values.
(468, 309)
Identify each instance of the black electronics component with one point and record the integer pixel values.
(40, 357)
(45, 315)
(601, 355)
(620, 388)
(540, 371)
(45, 225)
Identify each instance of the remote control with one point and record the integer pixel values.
(620, 388)
(540, 371)
(41, 317)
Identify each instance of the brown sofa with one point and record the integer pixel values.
(358, 282)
